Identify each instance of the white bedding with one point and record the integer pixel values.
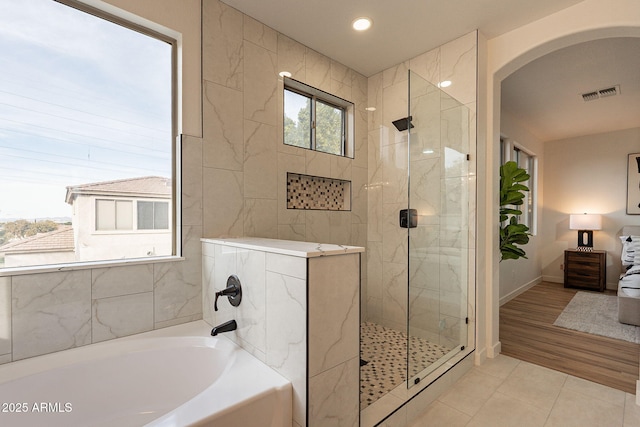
(630, 292)
(629, 285)
(630, 279)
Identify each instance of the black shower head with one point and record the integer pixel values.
(403, 124)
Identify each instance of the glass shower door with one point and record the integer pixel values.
(438, 235)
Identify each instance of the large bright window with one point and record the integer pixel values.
(317, 120)
(87, 136)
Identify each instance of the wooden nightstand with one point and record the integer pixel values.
(586, 270)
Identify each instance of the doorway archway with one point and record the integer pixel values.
(586, 21)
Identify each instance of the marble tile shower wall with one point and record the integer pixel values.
(48, 312)
(437, 279)
(245, 160)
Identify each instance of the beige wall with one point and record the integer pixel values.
(587, 174)
(587, 20)
(516, 276)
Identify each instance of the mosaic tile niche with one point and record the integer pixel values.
(318, 193)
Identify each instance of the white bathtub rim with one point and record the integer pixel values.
(196, 332)
(253, 384)
(252, 380)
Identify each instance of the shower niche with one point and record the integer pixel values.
(416, 318)
(317, 193)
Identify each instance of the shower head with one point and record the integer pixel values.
(403, 124)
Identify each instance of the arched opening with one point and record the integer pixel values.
(507, 54)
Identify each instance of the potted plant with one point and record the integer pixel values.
(512, 190)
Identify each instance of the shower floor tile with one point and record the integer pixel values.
(383, 359)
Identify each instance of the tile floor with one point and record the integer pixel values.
(507, 392)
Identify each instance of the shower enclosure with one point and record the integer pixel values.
(422, 191)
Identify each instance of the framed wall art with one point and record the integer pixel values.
(633, 184)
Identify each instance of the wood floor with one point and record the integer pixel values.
(527, 333)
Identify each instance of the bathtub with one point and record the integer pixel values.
(177, 376)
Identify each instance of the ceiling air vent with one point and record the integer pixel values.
(602, 93)
(610, 91)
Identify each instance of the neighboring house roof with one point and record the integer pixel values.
(146, 186)
(59, 240)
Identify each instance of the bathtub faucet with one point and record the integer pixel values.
(229, 326)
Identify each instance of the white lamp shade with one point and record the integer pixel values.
(585, 222)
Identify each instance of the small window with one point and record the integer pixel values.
(153, 216)
(297, 119)
(317, 120)
(329, 128)
(114, 215)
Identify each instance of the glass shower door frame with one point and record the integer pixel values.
(437, 242)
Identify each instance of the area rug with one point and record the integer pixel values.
(596, 314)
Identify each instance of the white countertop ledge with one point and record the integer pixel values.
(285, 247)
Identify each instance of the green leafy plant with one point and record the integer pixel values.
(512, 190)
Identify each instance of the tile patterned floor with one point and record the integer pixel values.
(505, 392)
(385, 351)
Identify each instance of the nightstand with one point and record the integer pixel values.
(585, 270)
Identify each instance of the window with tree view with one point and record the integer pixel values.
(86, 136)
(316, 120)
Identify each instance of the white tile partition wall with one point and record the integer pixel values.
(299, 314)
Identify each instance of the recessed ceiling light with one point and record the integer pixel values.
(361, 24)
(444, 83)
(284, 74)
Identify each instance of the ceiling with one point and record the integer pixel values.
(401, 29)
(544, 95)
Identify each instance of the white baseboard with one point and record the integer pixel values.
(553, 279)
(511, 295)
(481, 356)
(494, 350)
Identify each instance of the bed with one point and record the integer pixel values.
(629, 284)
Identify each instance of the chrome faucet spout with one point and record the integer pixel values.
(229, 326)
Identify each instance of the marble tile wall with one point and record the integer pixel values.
(334, 340)
(48, 312)
(245, 160)
(299, 318)
(441, 181)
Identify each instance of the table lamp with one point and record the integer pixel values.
(585, 224)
